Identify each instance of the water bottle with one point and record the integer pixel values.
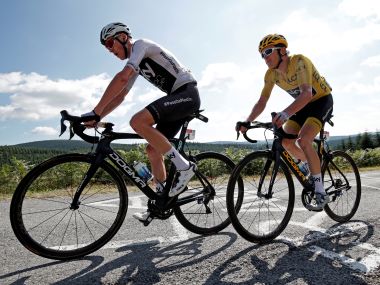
(143, 171)
(304, 167)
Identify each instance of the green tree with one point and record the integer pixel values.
(350, 144)
(358, 141)
(377, 139)
(342, 145)
(366, 141)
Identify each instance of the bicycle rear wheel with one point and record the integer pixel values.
(342, 182)
(260, 216)
(207, 212)
(42, 217)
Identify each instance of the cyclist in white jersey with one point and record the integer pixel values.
(163, 70)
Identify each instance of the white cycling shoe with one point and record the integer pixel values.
(142, 217)
(321, 200)
(182, 178)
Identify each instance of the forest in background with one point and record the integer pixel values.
(17, 160)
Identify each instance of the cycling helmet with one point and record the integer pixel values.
(112, 30)
(272, 40)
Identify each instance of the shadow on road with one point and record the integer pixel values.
(279, 262)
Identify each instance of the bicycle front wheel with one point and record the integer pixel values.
(260, 215)
(207, 212)
(342, 182)
(44, 219)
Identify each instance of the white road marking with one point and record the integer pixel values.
(136, 202)
(369, 177)
(113, 203)
(367, 264)
(316, 219)
(377, 188)
(352, 263)
(182, 233)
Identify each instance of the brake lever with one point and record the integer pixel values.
(63, 127)
(71, 131)
(237, 135)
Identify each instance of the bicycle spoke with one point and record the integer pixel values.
(343, 183)
(264, 210)
(51, 225)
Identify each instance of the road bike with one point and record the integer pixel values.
(262, 211)
(71, 205)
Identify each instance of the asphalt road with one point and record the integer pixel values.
(312, 250)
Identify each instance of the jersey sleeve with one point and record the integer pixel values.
(138, 53)
(268, 83)
(304, 71)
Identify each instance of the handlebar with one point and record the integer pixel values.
(76, 126)
(253, 125)
(269, 126)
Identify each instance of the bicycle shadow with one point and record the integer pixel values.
(279, 262)
(297, 264)
(141, 263)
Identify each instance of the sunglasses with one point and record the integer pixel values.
(268, 52)
(109, 43)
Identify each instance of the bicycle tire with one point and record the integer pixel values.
(279, 206)
(43, 221)
(194, 216)
(341, 180)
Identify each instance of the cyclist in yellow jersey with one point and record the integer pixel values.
(304, 117)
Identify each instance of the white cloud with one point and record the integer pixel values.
(373, 61)
(359, 89)
(218, 76)
(36, 97)
(149, 96)
(228, 92)
(362, 9)
(315, 35)
(45, 131)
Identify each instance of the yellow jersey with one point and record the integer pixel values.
(300, 71)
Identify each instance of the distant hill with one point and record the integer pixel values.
(67, 145)
(34, 152)
(80, 146)
(75, 145)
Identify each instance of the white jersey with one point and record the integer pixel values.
(158, 66)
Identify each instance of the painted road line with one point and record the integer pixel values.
(136, 202)
(369, 177)
(317, 219)
(347, 261)
(367, 264)
(112, 203)
(182, 233)
(373, 187)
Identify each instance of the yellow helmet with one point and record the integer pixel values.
(272, 40)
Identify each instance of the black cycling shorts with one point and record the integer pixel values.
(318, 112)
(170, 112)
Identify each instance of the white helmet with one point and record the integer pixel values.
(112, 30)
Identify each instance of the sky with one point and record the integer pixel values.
(51, 59)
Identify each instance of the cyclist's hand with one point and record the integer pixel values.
(92, 122)
(242, 126)
(280, 119)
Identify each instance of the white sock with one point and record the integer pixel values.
(179, 161)
(318, 185)
(160, 186)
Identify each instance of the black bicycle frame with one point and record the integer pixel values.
(279, 152)
(104, 150)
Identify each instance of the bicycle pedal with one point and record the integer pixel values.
(147, 221)
(315, 210)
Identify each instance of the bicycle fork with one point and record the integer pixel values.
(86, 179)
(266, 168)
